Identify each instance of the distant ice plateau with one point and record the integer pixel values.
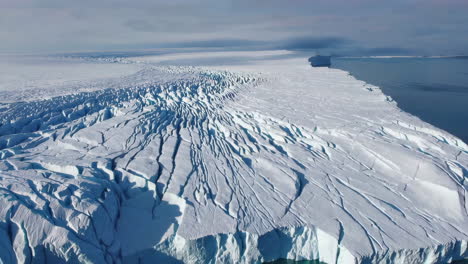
(127, 160)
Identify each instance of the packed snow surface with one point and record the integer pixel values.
(130, 161)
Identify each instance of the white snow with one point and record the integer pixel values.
(33, 78)
(127, 161)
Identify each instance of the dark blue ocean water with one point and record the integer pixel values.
(434, 89)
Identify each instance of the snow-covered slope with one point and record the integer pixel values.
(264, 160)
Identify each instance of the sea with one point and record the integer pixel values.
(433, 89)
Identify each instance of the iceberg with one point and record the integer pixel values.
(320, 61)
(245, 163)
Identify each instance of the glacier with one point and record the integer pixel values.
(147, 160)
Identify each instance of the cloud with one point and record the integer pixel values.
(387, 51)
(303, 43)
(139, 25)
(216, 43)
(315, 43)
(338, 26)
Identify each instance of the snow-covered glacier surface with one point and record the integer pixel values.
(130, 161)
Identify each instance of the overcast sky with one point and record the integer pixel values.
(351, 27)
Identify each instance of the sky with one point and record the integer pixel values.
(344, 27)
